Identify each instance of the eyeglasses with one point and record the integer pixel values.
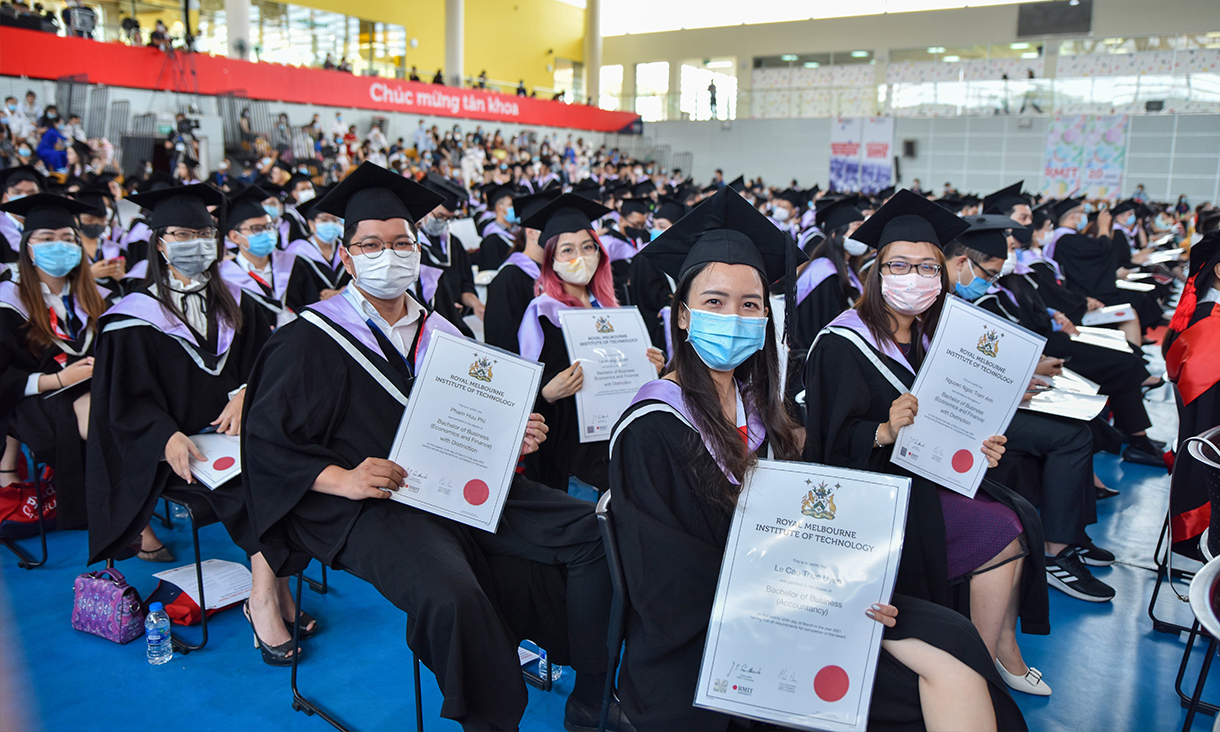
(188, 235)
(372, 247)
(992, 277)
(256, 229)
(923, 269)
(47, 238)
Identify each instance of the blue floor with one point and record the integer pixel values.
(1108, 669)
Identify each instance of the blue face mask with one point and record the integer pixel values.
(328, 231)
(56, 258)
(654, 233)
(973, 291)
(724, 342)
(272, 211)
(1082, 223)
(511, 216)
(1130, 220)
(261, 244)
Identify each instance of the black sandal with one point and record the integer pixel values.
(306, 619)
(160, 554)
(272, 655)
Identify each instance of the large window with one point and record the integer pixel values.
(707, 93)
(611, 84)
(652, 90)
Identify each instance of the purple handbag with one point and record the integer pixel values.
(105, 605)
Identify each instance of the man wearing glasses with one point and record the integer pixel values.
(324, 403)
(259, 268)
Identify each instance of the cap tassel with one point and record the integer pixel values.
(1186, 307)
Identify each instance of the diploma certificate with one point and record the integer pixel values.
(810, 549)
(461, 432)
(969, 386)
(612, 345)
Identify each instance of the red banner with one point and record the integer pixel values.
(45, 56)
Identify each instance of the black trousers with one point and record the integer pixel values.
(471, 596)
(1064, 450)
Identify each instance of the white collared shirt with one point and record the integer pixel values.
(1212, 295)
(56, 303)
(265, 273)
(402, 333)
(196, 316)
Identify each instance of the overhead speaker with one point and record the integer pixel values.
(1154, 105)
(908, 148)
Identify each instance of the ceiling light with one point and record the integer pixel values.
(951, 59)
(812, 64)
(936, 49)
(1018, 46)
(1030, 54)
(859, 54)
(719, 64)
(788, 57)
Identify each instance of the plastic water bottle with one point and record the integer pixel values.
(157, 633)
(545, 665)
(178, 512)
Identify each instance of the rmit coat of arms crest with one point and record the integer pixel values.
(603, 324)
(481, 369)
(819, 502)
(989, 343)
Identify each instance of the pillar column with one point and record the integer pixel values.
(593, 51)
(237, 24)
(455, 41)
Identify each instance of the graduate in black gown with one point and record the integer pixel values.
(107, 258)
(575, 273)
(325, 400)
(16, 183)
(500, 230)
(172, 361)
(48, 328)
(650, 289)
(318, 273)
(958, 552)
(829, 283)
(512, 290)
(679, 454)
(260, 269)
(1192, 357)
(446, 267)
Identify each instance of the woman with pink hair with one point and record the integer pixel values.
(575, 273)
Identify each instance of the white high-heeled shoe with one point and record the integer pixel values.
(1030, 683)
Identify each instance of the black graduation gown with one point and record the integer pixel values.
(1089, 268)
(469, 596)
(145, 388)
(47, 425)
(649, 290)
(1055, 295)
(493, 250)
(308, 279)
(458, 278)
(508, 295)
(672, 544)
(825, 303)
(846, 399)
(1189, 506)
(563, 454)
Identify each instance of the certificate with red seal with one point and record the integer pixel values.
(461, 433)
(810, 549)
(969, 386)
(222, 459)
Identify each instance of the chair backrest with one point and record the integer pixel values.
(1204, 589)
(1205, 447)
(619, 603)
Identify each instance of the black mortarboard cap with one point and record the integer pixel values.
(795, 197)
(738, 184)
(184, 206)
(1142, 211)
(284, 166)
(13, 176)
(838, 213)
(1124, 206)
(909, 217)
(158, 181)
(643, 188)
(885, 194)
(244, 205)
(48, 211)
(987, 234)
(453, 194)
(1204, 251)
(1003, 200)
(724, 228)
(951, 203)
(495, 193)
(527, 206)
(588, 188)
(372, 193)
(635, 205)
(1060, 209)
(669, 209)
(971, 199)
(566, 214)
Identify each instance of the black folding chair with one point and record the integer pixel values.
(199, 514)
(1203, 597)
(310, 708)
(24, 560)
(618, 603)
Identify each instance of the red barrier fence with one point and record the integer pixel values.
(45, 56)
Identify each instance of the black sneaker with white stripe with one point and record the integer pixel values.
(1067, 573)
(1093, 555)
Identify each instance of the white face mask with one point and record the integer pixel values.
(306, 195)
(1010, 263)
(854, 248)
(388, 275)
(577, 272)
(780, 214)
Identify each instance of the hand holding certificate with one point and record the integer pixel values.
(810, 550)
(613, 344)
(968, 389)
(460, 437)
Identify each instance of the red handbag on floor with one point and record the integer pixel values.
(19, 504)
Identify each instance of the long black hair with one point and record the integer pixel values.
(759, 378)
(219, 300)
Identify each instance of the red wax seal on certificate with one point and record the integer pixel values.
(963, 461)
(830, 684)
(223, 463)
(476, 492)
